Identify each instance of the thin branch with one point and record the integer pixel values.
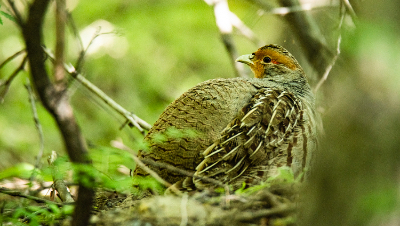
(7, 83)
(61, 17)
(37, 125)
(79, 62)
(16, 13)
(132, 118)
(82, 54)
(11, 58)
(171, 168)
(36, 199)
(184, 172)
(350, 10)
(329, 68)
(283, 209)
(244, 30)
(121, 146)
(309, 34)
(81, 59)
(270, 198)
(223, 20)
(71, 22)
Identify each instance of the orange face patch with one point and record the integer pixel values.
(276, 57)
(259, 60)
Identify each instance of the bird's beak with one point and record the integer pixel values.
(246, 59)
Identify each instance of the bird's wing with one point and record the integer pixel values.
(249, 144)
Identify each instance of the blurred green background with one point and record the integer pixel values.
(164, 47)
(158, 50)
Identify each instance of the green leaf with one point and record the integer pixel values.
(68, 209)
(147, 183)
(285, 175)
(8, 16)
(21, 170)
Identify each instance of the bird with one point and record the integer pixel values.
(237, 130)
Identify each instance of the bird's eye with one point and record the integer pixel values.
(267, 60)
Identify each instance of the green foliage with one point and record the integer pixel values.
(108, 163)
(285, 175)
(145, 183)
(168, 47)
(20, 170)
(6, 15)
(380, 201)
(36, 215)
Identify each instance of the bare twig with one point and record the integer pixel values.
(81, 59)
(61, 17)
(7, 83)
(312, 41)
(11, 58)
(350, 10)
(329, 68)
(37, 125)
(79, 62)
(283, 209)
(36, 199)
(82, 54)
(121, 146)
(184, 172)
(173, 168)
(71, 22)
(132, 118)
(16, 13)
(271, 198)
(244, 30)
(224, 24)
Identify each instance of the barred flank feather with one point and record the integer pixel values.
(262, 135)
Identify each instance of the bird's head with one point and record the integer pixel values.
(271, 60)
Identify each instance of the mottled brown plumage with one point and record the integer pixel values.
(246, 128)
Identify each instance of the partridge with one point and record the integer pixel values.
(244, 129)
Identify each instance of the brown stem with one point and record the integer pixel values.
(61, 18)
(11, 58)
(56, 102)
